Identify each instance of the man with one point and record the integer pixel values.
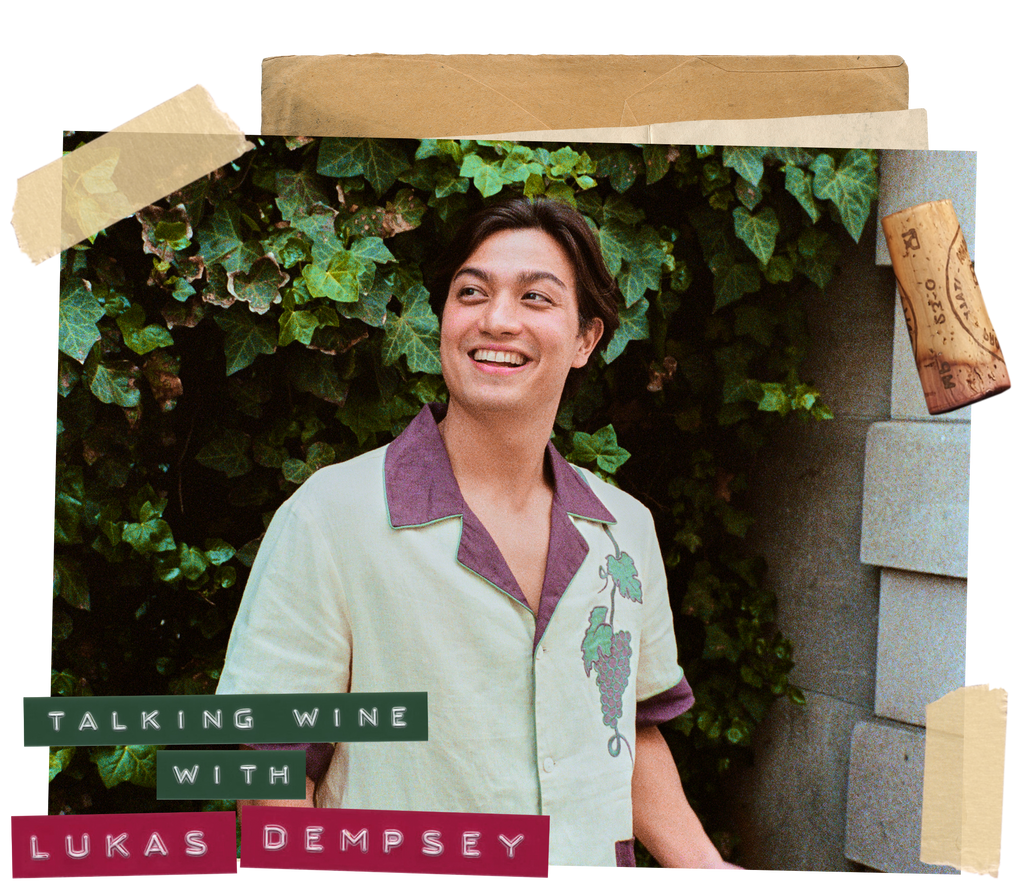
(469, 560)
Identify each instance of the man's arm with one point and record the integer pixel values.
(662, 818)
(307, 803)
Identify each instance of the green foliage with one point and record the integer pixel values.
(228, 341)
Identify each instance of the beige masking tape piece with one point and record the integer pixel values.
(380, 95)
(122, 171)
(867, 130)
(961, 820)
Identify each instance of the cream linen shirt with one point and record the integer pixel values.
(375, 576)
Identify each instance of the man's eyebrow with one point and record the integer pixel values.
(523, 279)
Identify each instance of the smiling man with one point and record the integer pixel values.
(467, 559)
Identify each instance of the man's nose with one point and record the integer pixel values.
(501, 315)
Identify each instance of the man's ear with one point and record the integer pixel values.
(588, 341)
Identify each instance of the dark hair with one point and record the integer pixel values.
(597, 293)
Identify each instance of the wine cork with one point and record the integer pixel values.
(954, 343)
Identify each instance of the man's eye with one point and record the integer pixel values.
(468, 292)
(536, 297)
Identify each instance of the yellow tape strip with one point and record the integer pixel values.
(126, 169)
(961, 820)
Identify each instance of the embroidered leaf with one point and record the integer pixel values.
(622, 571)
(597, 639)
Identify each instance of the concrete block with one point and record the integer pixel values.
(916, 483)
(883, 808)
(789, 809)
(922, 637)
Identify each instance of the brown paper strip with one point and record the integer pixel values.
(961, 820)
(379, 95)
(126, 169)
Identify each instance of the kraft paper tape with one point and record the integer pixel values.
(961, 819)
(122, 171)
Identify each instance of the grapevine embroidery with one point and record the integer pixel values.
(608, 651)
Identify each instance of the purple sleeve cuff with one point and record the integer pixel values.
(664, 706)
(318, 756)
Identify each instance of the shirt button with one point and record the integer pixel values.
(549, 764)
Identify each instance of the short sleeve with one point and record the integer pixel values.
(662, 690)
(292, 633)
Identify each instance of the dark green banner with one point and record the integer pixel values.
(225, 719)
(231, 774)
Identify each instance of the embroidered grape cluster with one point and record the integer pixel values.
(613, 675)
(608, 651)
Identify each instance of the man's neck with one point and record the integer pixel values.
(496, 456)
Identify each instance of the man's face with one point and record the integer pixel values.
(510, 327)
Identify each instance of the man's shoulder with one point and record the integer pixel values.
(623, 506)
(354, 482)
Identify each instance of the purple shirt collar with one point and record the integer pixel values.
(420, 489)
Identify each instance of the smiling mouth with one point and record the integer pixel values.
(502, 359)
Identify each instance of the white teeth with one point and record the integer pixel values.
(486, 354)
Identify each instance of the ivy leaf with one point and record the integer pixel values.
(645, 256)
(733, 279)
(817, 255)
(298, 192)
(161, 371)
(339, 280)
(260, 287)
(621, 167)
(297, 326)
(113, 383)
(134, 764)
(316, 373)
(371, 250)
(70, 498)
(139, 337)
(658, 160)
(60, 759)
(601, 448)
(597, 639)
(746, 161)
(221, 242)
(519, 164)
(799, 185)
(632, 325)
(245, 336)
(297, 471)
(227, 454)
(70, 583)
(852, 187)
(717, 644)
(758, 231)
(79, 311)
(318, 225)
(150, 536)
(487, 176)
(367, 415)
(615, 240)
(415, 333)
(378, 161)
(372, 307)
